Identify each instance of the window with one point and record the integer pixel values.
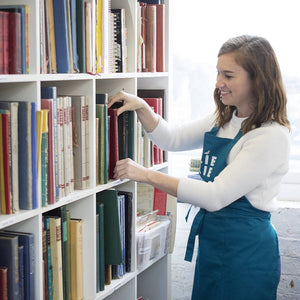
(200, 28)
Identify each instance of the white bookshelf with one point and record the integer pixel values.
(154, 280)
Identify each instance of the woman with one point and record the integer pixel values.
(245, 155)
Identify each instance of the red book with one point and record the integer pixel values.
(113, 141)
(160, 202)
(15, 53)
(5, 36)
(1, 42)
(151, 38)
(160, 37)
(48, 104)
(3, 283)
(156, 104)
(6, 160)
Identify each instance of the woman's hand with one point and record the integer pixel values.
(130, 102)
(129, 169)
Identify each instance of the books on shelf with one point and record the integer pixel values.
(150, 153)
(14, 49)
(114, 234)
(151, 36)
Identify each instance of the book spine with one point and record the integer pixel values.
(15, 43)
(6, 161)
(3, 283)
(5, 42)
(34, 155)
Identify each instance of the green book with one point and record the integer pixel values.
(112, 238)
(100, 246)
(101, 114)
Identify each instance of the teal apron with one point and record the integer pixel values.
(238, 246)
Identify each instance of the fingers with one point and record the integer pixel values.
(115, 98)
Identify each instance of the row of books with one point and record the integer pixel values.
(14, 50)
(114, 138)
(149, 154)
(62, 255)
(114, 235)
(151, 18)
(66, 31)
(17, 265)
(43, 152)
(66, 164)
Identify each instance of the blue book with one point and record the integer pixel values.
(26, 240)
(49, 262)
(21, 271)
(34, 155)
(74, 34)
(51, 93)
(9, 258)
(61, 36)
(24, 151)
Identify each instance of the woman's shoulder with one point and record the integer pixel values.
(270, 132)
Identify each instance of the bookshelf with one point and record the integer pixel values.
(82, 203)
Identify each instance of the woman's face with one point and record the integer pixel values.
(234, 84)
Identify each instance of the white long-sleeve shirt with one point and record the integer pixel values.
(255, 164)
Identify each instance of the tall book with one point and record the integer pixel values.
(88, 37)
(100, 252)
(49, 102)
(120, 39)
(34, 155)
(128, 228)
(26, 239)
(87, 142)
(50, 37)
(79, 141)
(113, 141)
(15, 51)
(98, 34)
(125, 133)
(64, 231)
(74, 35)
(44, 158)
(160, 37)
(56, 256)
(61, 30)
(5, 39)
(9, 258)
(27, 167)
(103, 138)
(23, 11)
(150, 49)
(47, 255)
(76, 257)
(3, 283)
(112, 237)
(80, 30)
(6, 206)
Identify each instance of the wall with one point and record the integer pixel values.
(287, 223)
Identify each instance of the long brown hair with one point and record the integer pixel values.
(257, 57)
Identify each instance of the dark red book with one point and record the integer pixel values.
(15, 54)
(3, 283)
(1, 42)
(113, 141)
(160, 202)
(5, 38)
